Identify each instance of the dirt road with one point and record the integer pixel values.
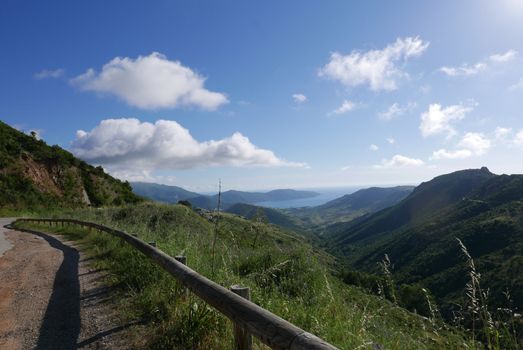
(51, 298)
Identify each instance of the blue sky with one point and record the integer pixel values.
(269, 94)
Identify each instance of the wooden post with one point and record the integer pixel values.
(242, 339)
(182, 259)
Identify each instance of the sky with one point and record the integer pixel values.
(269, 94)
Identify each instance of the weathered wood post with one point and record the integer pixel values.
(242, 339)
(182, 259)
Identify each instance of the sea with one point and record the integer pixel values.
(325, 195)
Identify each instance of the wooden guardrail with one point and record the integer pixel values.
(248, 317)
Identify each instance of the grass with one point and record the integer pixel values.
(286, 275)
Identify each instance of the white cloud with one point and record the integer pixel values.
(376, 68)
(124, 145)
(395, 110)
(299, 98)
(373, 147)
(50, 74)
(399, 161)
(518, 140)
(151, 82)
(472, 144)
(504, 57)
(477, 143)
(465, 69)
(472, 69)
(517, 85)
(437, 120)
(457, 154)
(502, 133)
(345, 107)
(391, 140)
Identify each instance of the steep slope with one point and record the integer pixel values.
(351, 206)
(424, 201)
(263, 214)
(33, 174)
(487, 218)
(162, 193)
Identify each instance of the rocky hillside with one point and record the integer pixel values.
(34, 174)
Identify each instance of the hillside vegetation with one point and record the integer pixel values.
(33, 174)
(419, 236)
(350, 206)
(286, 275)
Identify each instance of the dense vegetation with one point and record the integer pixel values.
(33, 174)
(286, 275)
(423, 236)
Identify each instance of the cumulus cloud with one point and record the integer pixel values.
(151, 82)
(457, 154)
(299, 98)
(345, 107)
(472, 144)
(396, 110)
(379, 69)
(502, 133)
(399, 161)
(373, 147)
(437, 120)
(50, 74)
(518, 140)
(126, 145)
(504, 57)
(466, 69)
(476, 142)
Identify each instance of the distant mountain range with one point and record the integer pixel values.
(173, 194)
(350, 206)
(482, 209)
(162, 193)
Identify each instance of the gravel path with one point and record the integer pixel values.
(51, 297)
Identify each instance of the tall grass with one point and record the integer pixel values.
(499, 333)
(286, 275)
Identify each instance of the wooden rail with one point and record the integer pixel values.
(264, 325)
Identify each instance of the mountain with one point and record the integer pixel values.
(267, 215)
(162, 193)
(425, 200)
(229, 198)
(33, 174)
(483, 210)
(351, 206)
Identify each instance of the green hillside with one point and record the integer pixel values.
(162, 193)
(483, 210)
(350, 206)
(33, 174)
(267, 215)
(286, 275)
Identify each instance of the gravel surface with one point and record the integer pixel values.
(52, 298)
